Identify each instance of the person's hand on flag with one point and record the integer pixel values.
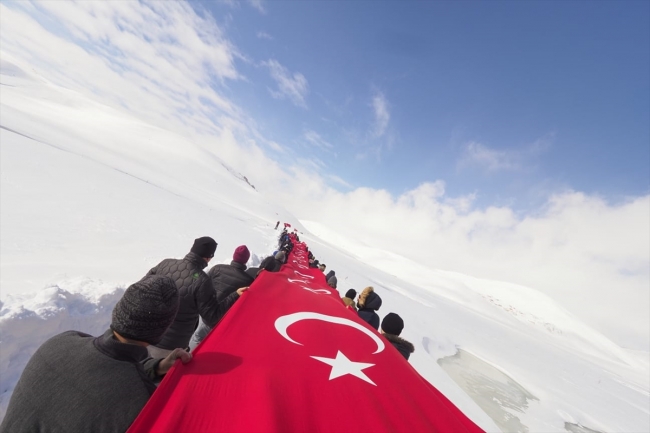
(167, 363)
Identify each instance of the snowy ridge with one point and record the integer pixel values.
(26, 321)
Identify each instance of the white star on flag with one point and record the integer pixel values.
(341, 366)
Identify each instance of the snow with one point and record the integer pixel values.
(92, 198)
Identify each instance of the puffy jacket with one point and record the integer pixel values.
(404, 347)
(368, 303)
(198, 298)
(252, 272)
(226, 279)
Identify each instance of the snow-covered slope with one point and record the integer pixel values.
(91, 198)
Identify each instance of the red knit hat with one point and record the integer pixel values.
(241, 254)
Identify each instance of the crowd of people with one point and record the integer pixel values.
(158, 320)
(366, 306)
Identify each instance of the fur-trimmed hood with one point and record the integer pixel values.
(368, 299)
(349, 302)
(404, 347)
(395, 340)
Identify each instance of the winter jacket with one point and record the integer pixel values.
(226, 279)
(369, 302)
(198, 298)
(271, 264)
(404, 347)
(79, 383)
(349, 303)
(252, 272)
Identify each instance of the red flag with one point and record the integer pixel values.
(287, 225)
(290, 357)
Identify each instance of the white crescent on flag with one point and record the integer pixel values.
(282, 323)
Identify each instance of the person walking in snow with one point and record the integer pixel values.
(348, 299)
(391, 327)
(273, 263)
(276, 225)
(368, 303)
(79, 383)
(226, 279)
(198, 297)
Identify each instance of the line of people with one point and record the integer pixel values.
(108, 379)
(366, 307)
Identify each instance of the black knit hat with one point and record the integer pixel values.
(351, 294)
(146, 309)
(204, 247)
(392, 324)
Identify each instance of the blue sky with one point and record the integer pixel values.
(509, 100)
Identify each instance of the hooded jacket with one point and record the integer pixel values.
(368, 303)
(197, 296)
(404, 347)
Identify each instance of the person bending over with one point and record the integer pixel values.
(79, 383)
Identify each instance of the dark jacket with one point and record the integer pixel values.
(329, 275)
(404, 347)
(79, 383)
(252, 272)
(226, 279)
(368, 303)
(271, 264)
(198, 297)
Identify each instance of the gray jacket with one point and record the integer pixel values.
(79, 383)
(198, 298)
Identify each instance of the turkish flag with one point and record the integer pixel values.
(287, 225)
(289, 357)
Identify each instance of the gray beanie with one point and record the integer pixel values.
(146, 309)
(332, 282)
(280, 255)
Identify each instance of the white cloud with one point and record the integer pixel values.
(339, 181)
(292, 86)
(258, 4)
(264, 35)
(160, 59)
(275, 146)
(315, 139)
(493, 160)
(490, 159)
(382, 115)
(591, 256)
